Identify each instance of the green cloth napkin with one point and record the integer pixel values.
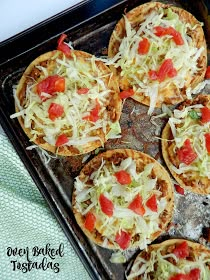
(28, 225)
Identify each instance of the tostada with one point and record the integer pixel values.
(123, 199)
(158, 52)
(186, 144)
(174, 259)
(68, 104)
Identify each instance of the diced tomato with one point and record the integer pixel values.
(123, 239)
(62, 38)
(107, 206)
(179, 189)
(90, 221)
(61, 140)
(126, 93)
(153, 75)
(123, 177)
(65, 49)
(186, 154)
(207, 75)
(194, 274)
(82, 90)
(144, 46)
(176, 35)
(55, 111)
(181, 250)
(165, 69)
(94, 113)
(205, 115)
(137, 206)
(160, 31)
(207, 138)
(172, 72)
(51, 85)
(152, 203)
(62, 46)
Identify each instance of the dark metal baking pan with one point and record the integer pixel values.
(89, 26)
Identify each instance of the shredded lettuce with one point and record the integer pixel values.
(117, 257)
(115, 131)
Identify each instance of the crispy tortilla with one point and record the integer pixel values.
(166, 247)
(163, 184)
(36, 72)
(190, 180)
(169, 93)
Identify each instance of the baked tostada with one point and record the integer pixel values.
(123, 199)
(68, 104)
(186, 144)
(174, 259)
(158, 51)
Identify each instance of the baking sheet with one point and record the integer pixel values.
(54, 178)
